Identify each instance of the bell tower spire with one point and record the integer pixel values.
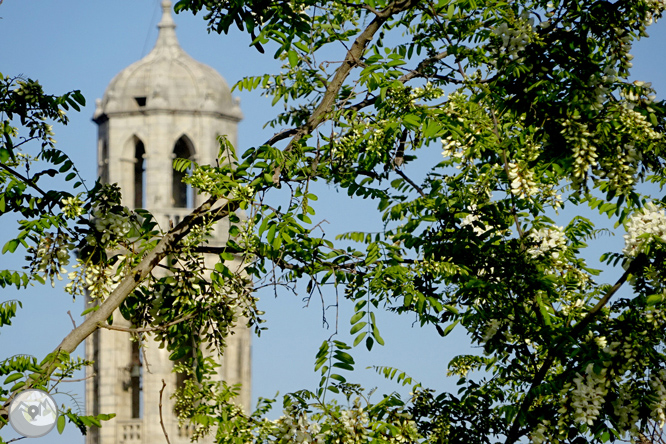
(165, 106)
(167, 28)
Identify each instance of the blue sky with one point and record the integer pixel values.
(68, 45)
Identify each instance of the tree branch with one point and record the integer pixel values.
(146, 329)
(353, 57)
(166, 435)
(404, 176)
(514, 432)
(23, 179)
(127, 285)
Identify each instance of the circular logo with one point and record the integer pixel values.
(33, 413)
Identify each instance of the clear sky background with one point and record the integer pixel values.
(68, 44)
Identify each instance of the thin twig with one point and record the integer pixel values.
(24, 179)
(145, 357)
(404, 176)
(70, 317)
(73, 380)
(166, 435)
(147, 329)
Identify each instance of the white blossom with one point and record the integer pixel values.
(659, 405)
(539, 436)
(550, 240)
(522, 181)
(491, 329)
(473, 220)
(626, 409)
(649, 220)
(517, 36)
(588, 395)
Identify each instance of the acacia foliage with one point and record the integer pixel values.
(530, 105)
(468, 125)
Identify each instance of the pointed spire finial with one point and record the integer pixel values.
(167, 27)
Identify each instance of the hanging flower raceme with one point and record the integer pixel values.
(522, 181)
(549, 240)
(644, 227)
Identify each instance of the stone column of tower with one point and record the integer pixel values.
(164, 106)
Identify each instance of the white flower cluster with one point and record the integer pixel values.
(637, 123)
(371, 136)
(204, 180)
(94, 280)
(549, 240)
(294, 427)
(600, 86)
(522, 181)
(620, 170)
(626, 409)
(429, 91)
(470, 220)
(51, 256)
(656, 7)
(355, 422)
(53, 249)
(516, 37)
(539, 434)
(585, 154)
(588, 395)
(492, 328)
(656, 316)
(619, 52)
(659, 405)
(451, 147)
(645, 93)
(72, 207)
(649, 220)
(113, 227)
(575, 306)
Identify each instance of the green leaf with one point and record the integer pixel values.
(61, 424)
(13, 377)
(338, 378)
(10, 246)
(344, 366)
(375, 334)
(226, 256)
(359, 338)
(449, 328)
(4, 155)
(357, 317)
(358, 327)
(654, 299)
(293, 58)
(344, 357)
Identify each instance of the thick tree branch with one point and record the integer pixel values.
(352, 59)
(416, 72)
(129, 283)
(514, 432)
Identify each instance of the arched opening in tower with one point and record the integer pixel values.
(182, 194)
(139, 174)
(136, 376)
(103, 163)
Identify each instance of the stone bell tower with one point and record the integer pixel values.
(165, 106)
